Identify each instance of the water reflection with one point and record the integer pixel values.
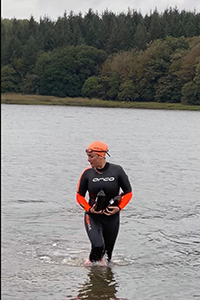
(100, 284)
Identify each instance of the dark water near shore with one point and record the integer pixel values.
(157, 253)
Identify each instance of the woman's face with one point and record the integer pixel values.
(95, 160)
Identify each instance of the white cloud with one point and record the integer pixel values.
(23, 9)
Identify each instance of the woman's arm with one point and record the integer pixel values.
(82, 202)
(125, 200)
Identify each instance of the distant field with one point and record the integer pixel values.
(12, 98)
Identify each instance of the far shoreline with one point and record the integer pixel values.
(22, 99)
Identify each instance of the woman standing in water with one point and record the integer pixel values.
(103, 181)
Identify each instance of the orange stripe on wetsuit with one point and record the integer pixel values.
(80, 199)
(125, 200)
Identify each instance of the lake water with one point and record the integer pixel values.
(44, 243)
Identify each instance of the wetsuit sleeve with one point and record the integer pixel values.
(81, 200)
(81, 191)
(125, 200)
(124, 181)
(126, 187)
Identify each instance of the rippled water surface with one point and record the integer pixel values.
(44, 244)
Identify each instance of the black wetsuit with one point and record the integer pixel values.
(102, 230)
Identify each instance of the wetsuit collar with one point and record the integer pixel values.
(103, 169)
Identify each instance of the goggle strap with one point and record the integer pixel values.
(90, 151)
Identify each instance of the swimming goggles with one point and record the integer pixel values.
(101, 151)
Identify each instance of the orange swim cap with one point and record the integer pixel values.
(98, 147)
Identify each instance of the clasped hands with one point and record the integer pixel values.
(109, 211)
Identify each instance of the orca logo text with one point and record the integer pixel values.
(103, 179)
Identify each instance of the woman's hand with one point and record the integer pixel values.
(93, 211)
(111, 210)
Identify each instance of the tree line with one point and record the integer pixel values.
(126, 57)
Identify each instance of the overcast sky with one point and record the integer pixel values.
(23, 9)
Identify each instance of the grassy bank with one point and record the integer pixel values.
(10, 98)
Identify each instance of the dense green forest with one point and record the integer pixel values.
(126, 57)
